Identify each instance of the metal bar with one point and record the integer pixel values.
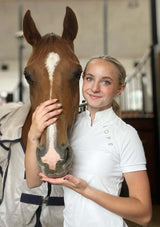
(153, 4)
(155, 91)
(140, 65)
(105, 26)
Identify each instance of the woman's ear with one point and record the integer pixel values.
(121, 89)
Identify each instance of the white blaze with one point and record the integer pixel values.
(51, 62)
(51, 157)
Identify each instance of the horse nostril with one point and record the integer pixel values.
(68, 151)
(64, 146)
(65, 151)
(68, 159)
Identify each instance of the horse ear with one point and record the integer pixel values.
(70, 25)
(30, 31)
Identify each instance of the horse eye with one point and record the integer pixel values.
(77, 75)
(28, 77)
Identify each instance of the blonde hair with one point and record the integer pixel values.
(121, 76)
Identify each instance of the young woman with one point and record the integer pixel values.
(106, 150)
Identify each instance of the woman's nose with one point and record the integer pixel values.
(95, 87)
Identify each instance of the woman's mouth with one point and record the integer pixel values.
(94, 96)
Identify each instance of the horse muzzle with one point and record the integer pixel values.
(55, 162)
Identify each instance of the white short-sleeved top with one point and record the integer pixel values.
(102, 153)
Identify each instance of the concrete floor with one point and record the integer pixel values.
(155, 222)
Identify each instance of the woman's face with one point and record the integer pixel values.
(101, 84)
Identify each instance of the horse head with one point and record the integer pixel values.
(53, 71)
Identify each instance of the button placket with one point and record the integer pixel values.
(107, 135)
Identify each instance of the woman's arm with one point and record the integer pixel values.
(137, 207)
(31, 164)
(44, 115)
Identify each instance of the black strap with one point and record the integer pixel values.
(38, 214)
(1, 171)
(39, 200)
(5, 176)
(49, 189)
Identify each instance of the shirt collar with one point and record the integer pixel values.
(107, 115)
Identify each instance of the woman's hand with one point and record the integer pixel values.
(69, 181)
(44, 115)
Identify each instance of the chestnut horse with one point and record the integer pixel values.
(52, 71)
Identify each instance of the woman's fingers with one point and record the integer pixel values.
(57, 181)
(74, 180)
(68, 181)
(52, 114)
(42, 106)
(47, 110)
(50, 122)
(48, 106)
(44, 115)
(48, 102)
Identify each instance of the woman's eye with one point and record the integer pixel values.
(89, 78)
(106, 82)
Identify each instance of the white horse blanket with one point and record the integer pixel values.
(19, 205)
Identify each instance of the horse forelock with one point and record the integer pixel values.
(50, 37)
